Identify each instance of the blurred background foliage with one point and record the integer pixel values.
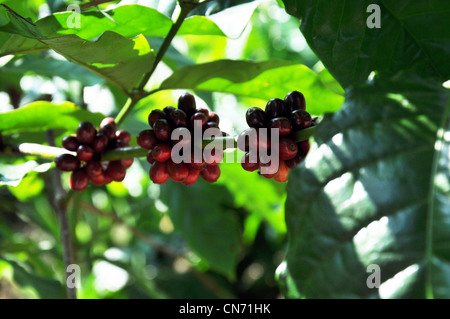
(136, 239)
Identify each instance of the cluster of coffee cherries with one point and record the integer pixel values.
(184, 119)
(89, 144)
(288, 116)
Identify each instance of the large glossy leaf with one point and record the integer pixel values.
(202, 214)
(264, 80)
(43, 115)
(413, 35)
(118, 59)
(375, 190)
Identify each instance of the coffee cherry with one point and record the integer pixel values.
(199, 118)
(300, 119)
(128, 162)
(70, 143)
(214, 157)
(109, 130)
(293, 162)
(85, 153)
(147, 139)
(210, 173)
(156, 115)
(268, 173)
(158, 173)
(93, 168)
(287, 148)
(178, 118)
(100, 143)
(213, 117)
(67, 162)
(107, 121)
(86, 132)
(123, 135)
(204, 111)
(99, 179)
(178, 172)
(168, 110)
(294, 101)
(150, 158)
(116, 171)
(79, 180)
(196, 166)
(162, 152)
(283, 173)
(117, 143)
(282, 124)
(255, 117)
(162, 130)
(247, 165)
(186, 102)
(275, 108)
(192, 177)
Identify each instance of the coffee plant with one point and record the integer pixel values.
(224, 149)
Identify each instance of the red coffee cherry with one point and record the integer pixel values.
(162, 152)
(204, 111)
(287, 149)
(100, 143)
(213, 117)
(93, 168)
(210, 173)
(283, 173)
(70, 143)
(178, 172)
(192, 178)
(109, 130)
(196, 166)
(85, 153)
(123, 135)
(247, 165)
(300, 119)
(178, 118)
(255, 117)
(99, 179)
(294, 101)
(186, 102)
(107, 121)
(283, 125)
(147, 139)
(158, 173)
(128, 162)
(79, 180)
(214, 157)
(156, 115)
(67, 162)
(150, 158)
(86, 132)
(199, 118)
(162, 130)
(116, 171)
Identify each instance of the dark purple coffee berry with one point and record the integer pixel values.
(168, 110)
(275, 108)
(186, 103)
(147, 139)
(300, 119)
(156, 115)
(109, 130)
(85, 153)
(255, 117)
(123, 135)
(93, 168)
(100, 143)
(162, 130)
(108, 120)
(283, 125)
(294, 101)
(214, 117)
(178, 118)
(79, 180)
(70, 143)
(116, 171)
(67, 162)
(86, 132)
(198, 119)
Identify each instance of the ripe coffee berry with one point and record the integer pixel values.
(89, 145)
(288, 116)
(86, 132)
(180, 124)
(67, 162)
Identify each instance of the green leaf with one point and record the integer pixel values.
(375, 190)
(43, 115)
(201, 214)
(12, 22)
(256, 194)
(12, 175)
(413, 36)
(264, 80)
(119, 60)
